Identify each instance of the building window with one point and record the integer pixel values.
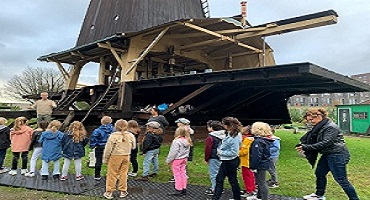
(360, 115)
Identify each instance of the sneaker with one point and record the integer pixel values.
(24, 171)
(209, 192)
(313, 196)
(78, 178)
(132, 174)
(153, 175)
(97, 178)
(3, 170)
(30, 174)
(63, 178)
(108, 195)
(13, 172)
(123, 194)
(44, 177)
(273, 185)
(252, 198)
(247, 194)
(56, 176)
(172, 180)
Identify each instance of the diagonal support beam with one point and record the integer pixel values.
(146, 51)
(188, 97)
(114, 52)
(61, 69)
(223, 37)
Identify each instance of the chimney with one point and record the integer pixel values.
(244, 13)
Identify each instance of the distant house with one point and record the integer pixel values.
(333, 99)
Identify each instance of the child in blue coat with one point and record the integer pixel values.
(73, 146)
(51, 149)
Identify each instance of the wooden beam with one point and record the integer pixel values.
(223, 37)
(115, 54)
(146, 51)
(229, 31)
(61, 69)
(233, 55)
(198, 44)
(188, 97)
(301, 25)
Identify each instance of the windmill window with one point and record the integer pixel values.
(116, 17)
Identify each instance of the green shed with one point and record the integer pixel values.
(354, 118)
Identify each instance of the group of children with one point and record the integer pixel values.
(227, 147)
(254, 148)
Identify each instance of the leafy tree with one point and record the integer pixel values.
(33, 81)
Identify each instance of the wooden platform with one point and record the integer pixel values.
(91, 187)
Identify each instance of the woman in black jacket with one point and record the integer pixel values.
(326, 138)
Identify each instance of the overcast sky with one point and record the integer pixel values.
(32, 28)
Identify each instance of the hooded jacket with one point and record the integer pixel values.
(275, 147)
(21, 139)
(99, 136)
(179, 149)
(35, 138)
(51, 145)
(4, 137)
(213, 141)
(229, 148)
(260, 153)
(73, 150)
(244, 152)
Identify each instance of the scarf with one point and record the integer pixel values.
(311, 138)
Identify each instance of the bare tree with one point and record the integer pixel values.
(34, 81)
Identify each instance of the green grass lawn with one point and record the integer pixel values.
(295, 174)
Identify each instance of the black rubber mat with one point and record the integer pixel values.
(91, 187)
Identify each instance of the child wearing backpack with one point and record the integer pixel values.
(51, 149)
(4, 143)
(260, 156)
(213, 141)
(36, 146)
(73, 146)
(20, 137)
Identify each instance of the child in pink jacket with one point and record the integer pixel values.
(20, 137)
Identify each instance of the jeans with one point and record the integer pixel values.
(213, 167)
(133, 160)
(336, 164)
(78, 166)
(263, 190)
(2, 157)
(24, 156)
(35, 154)
(150, 157)
(179, 173)
(99, 150)
(228, 169)
(272, 170)
(45, 168)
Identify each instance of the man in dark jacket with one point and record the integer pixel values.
(4, 143)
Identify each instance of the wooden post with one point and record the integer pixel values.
(74, 75)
